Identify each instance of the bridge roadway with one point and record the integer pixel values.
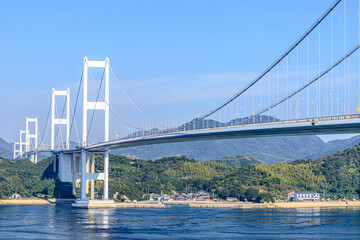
(312, 126)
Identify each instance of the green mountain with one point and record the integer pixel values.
(238, 160)
(341, 171)
(335, 176)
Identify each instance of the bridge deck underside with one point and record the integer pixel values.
(271, 130)
(308, 127)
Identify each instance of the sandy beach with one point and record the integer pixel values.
(31, 201)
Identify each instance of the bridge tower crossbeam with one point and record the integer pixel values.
(60, 121)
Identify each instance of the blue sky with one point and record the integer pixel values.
(174, 58)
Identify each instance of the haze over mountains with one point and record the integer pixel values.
(6, 149)
(267, 149)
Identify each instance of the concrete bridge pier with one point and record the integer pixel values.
(88, 175)
(33, 158)
(92, 182)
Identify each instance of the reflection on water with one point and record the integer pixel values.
(64, 222)
(98, 219)
(308, 216)
(308, 212)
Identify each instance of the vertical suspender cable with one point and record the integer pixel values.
(260, 118)
(348, 86)
(318, 83)
(245, 107)
(297, 83)
(307, 76)
(287, 86)
(269, 89)
(277, 91)
(238, 116)
(345, 77)
(331, 60)
(337, 91)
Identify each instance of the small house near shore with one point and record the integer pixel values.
(231, 199)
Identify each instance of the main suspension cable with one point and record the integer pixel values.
(314, 80)
(286, 53)
(112, 110)
(136, 107)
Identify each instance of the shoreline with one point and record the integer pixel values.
(266, 205)
(155, 205)
(34, 201)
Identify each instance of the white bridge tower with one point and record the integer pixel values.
(86, 157)
(17, 150)
(32, 136)
(22, 143)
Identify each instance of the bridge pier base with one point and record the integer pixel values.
(83, 176)
(94, 204)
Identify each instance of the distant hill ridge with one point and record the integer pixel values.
(267, 150)
(6, 149)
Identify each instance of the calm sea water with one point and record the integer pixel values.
(64, 222)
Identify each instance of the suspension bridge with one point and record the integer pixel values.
(312, 88)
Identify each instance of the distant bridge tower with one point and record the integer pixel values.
(60, 121)
(98, 105)
(22, 143)
(17, 150)
(32, 136)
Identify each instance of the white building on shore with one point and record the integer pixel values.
(306, 196)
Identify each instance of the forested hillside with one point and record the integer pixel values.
(238, 160)
(29, 179)
(334, 176)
